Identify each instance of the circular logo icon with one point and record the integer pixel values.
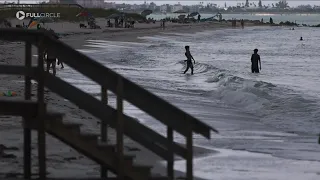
(20, 15)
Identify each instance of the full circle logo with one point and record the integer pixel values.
(20, 15)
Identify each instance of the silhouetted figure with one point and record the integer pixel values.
(242, 23)
(189, 60)
(271, 20)
(199, 16)
(301, 39)
(255, 58)
(234, 23)
(163, 24)
(116, 22)
(51, 58)
(262, 20)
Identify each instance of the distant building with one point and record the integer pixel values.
(110, 5)
(91, 3)
(135, 7)
(63, 1)
(194, 8)
(163, 8)
(152, 6)
(176, 7)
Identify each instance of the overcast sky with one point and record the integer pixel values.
(189, 2)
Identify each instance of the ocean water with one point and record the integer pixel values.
(268, 122)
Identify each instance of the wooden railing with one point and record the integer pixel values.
(174, 118)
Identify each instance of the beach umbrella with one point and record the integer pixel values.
(84, 14)
(33, 23)
(193, 14)
(146, 12)
(180, 11)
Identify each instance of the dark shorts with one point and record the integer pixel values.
(189, 64)
(255, 70)
(51, 60)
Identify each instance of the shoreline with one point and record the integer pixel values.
(131, 35)
(57, 153)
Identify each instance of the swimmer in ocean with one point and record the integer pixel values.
(255, 58)
(189, 60)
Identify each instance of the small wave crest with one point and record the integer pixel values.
(277, 105)
(248, 94)
(160, 45)
(198, 68)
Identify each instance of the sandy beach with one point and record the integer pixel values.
(62, 160)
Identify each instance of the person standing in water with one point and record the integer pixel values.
(255, 58)
(189, 60)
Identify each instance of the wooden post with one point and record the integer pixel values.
(189, 152)
(26, 130)
(170, 163)
(120, 129)
(41, 113)
(104, 130)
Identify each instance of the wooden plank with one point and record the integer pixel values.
(104, 129)
(19, 108)
(163, 111)
(17, 34)
(120, 128)
(189, 164)
(27, 164)
(16, 70)
(170, 162)
(92, 151)
(40, 118)
(135, 130)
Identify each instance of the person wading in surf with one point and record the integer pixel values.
(189, 60)
(255, 58)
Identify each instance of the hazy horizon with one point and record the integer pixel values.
(292, 3)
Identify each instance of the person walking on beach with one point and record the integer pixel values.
(189, 60)
(163, 23)
(57, 37)
(271, 20)
(199, 16)
(234, 23)
(51, 59)
(255, 58)
(242, 23)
